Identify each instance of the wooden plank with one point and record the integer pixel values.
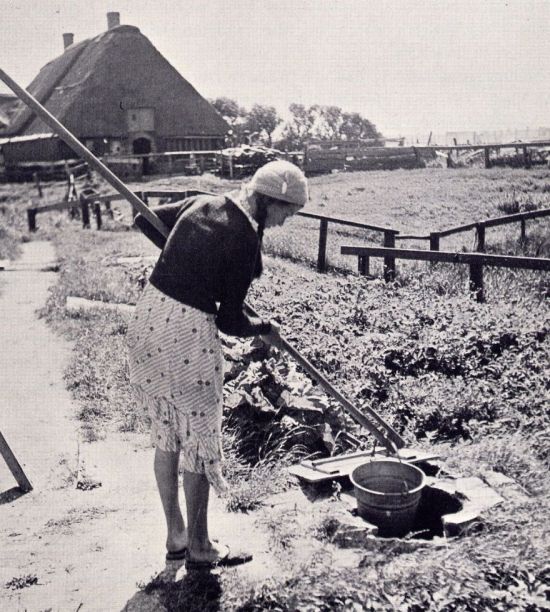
(412, 237)
(376, 228)
(494, 222)
(343, 465)
(77, 303)
(458, 229)
(56, 206)
(532, 214)
(501, 261)
(13, 465)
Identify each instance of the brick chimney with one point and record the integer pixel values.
(113, 20)
(68, 39)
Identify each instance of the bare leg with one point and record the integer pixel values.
(166, 473)
(196, 488)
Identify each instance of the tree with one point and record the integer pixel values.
(298, 128)
(329, 120)
(229, 109)
(263, 119)
(356, 127)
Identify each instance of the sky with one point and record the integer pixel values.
(409, 66)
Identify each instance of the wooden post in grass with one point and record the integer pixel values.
(14, 466)
(85, 211)
(476, 281)
(97, 214)
(523, 235)
(363, 266)
(37, 183)
(487, 152)
(434, 241)
(322, 253)
(526, 158)
(389, 262)
(31, 218)
(480, 238)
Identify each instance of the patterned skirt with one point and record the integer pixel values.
(176, 372)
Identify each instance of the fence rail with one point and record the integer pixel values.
(476, 261)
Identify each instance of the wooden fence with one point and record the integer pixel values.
(524, 147)
(388, 236)
(95, 202)
(479, 227)
(476, 261)
(90, 199)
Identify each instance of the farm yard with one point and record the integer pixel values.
(463, 380)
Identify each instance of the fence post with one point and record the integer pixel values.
(487, 152)
(480, 238)
(97, 213)
(523, 236)
(85, 212)
(476, 281)
(322, 254)
(37, 183)
(31, 219)
(389, 262)
(526, 158)
(434, 241)
(109, 210)
(363, 265)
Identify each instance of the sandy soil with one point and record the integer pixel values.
(79, 549)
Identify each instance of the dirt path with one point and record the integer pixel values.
(72, 549)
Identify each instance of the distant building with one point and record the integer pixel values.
(118, 95)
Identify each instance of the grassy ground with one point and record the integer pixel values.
(470, 380)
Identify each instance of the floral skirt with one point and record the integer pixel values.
(176, 372)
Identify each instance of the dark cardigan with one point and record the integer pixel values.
(211, 256)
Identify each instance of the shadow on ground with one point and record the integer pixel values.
(197, 591)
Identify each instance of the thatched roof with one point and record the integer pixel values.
(92, 84)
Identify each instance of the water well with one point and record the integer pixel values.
(441, 504)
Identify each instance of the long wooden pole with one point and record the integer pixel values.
(383, 432)
(79, 148)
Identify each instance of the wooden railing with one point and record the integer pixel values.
(476, 261)
(388, 236)
(434, 238)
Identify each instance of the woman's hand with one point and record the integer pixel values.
(274, 336)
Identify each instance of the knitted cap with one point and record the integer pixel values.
(281, 180)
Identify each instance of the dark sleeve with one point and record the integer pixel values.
(232, 319)
(168, 214)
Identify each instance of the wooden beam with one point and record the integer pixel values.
(375, 228)
(499, 261)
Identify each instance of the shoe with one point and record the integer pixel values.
(177, 555)
(230, 559)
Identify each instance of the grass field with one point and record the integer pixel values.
(469, 380)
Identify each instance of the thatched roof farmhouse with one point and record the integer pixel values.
(118, 95)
